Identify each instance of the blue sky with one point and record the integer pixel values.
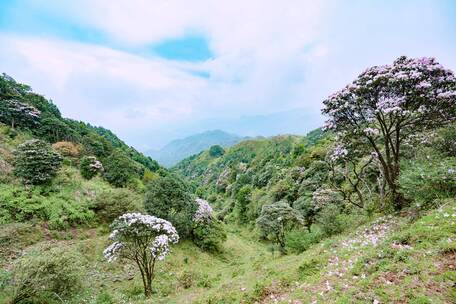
(153, 71)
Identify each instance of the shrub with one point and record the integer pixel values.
(90, 166)
(119, 169)
(427, 180)
(47, 274)
(209, 236)
(299, 241)
(61, 211)
(330, 220)
(216, 151)
(36, 162)
(110, 204)
(169, 198)
(67, 148)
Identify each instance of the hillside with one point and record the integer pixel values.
(179, 149)
(393, 259)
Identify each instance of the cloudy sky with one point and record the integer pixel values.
(154, 70)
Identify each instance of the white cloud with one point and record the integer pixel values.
(269, 56)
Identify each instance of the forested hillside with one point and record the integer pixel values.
(362, 210)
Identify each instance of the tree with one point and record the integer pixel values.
(144, 239)
(208, 232)
(216, 151)
(14, 112)
(386, 104)
(119, 169)
(275, 219)
(168, 197)
(90, 166)
(36, 162)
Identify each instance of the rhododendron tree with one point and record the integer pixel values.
(388, 103)
(208, 233)
(144, 239)
(15, 112)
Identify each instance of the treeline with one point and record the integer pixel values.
(24, 110)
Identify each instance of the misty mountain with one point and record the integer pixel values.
(179, 149)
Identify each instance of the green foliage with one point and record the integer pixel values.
(209, 235)
(61, 210)
(112, 203)
(299, 240)
(169, 198)
(216, 151)
(90, 166)
(242, 202)
(330, 220)
(36, 162)
(47, 275)
(276, 219)
(119, 170)
(426, 180)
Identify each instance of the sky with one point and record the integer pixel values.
(153, 71)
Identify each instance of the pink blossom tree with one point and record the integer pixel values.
(386, 104)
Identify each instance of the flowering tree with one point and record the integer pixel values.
(14, 112)
(208, 232)
(144, 239)
(90, 166)
(386, 104)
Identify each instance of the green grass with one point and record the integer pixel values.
(412, 263)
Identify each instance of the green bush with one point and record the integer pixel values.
(298, 241)
(216, 151)
(47, 275)
(36, 162)
(330, 220)
(120, 170)
(169, 198)
(427, 180)
(110, 204)
(60, 210)
(209, 235)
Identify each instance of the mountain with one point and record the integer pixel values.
(179, 149)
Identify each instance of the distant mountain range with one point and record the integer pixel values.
(179, 149)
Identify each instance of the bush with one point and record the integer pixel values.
(110, 204)
(47, 275)
(330, 220)
(169, 198)
(209, 235)
(119, 169)
(427, 180)
(61, 211)
(298, 241)
(67, 148)
(90, 166)
(36, 162)
(216, 151)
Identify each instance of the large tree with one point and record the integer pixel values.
(386, 104)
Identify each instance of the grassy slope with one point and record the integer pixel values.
(390, 260)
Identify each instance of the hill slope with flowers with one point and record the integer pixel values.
(361, 212)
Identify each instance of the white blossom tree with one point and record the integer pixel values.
(144, 239)
(14, 112)
(386, 104)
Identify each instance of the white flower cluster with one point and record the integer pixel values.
(337, 153)
(371, 132)
(133, 226)
(204, 212)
